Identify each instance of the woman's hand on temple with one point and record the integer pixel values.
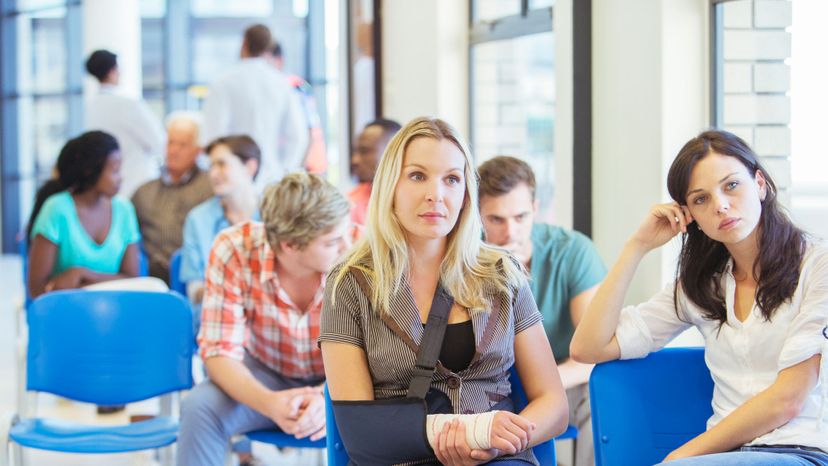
(663, 223)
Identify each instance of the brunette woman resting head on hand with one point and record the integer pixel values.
(754, 285)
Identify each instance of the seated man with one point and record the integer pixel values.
(565, 272)
(163, 204)
(367, 152)
(260, 321)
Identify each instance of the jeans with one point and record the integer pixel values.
(209, 417)
(782, 455)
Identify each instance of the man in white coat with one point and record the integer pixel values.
(139, 133)
(255, 99)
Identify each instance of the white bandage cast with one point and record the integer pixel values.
(478, 428)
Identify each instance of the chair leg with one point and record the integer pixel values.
(167, 455)
(17, 454)
(574, 450)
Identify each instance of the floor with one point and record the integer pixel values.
(51, 406)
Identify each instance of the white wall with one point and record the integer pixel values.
(425, 60)
(649, 97)
(115, 26)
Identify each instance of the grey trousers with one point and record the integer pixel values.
(209, 417)
(580, 415)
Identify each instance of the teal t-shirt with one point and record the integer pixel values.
(564, 264)
(59, 223)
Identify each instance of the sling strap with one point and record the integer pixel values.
(433, 334)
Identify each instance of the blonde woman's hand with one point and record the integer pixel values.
(662, 223)
(452, 449)
(510, 432)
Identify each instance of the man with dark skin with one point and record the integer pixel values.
(365, 157)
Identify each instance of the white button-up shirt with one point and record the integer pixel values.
(138, 131)
(745, 357)
(255, 99)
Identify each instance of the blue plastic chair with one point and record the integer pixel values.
(281, 439)
(175, 274)
(642, 409)
(107, 348)
(337, 456)
(143, 261)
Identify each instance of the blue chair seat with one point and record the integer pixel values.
(60, 435)
(281, 439)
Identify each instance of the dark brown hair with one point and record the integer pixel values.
(257, 39)
(499, 175)
(242, 146)
(702, 260)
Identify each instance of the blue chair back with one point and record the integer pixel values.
(109, 347)
(23, 250)
(337, 456)
(175, 273)
(642, 409)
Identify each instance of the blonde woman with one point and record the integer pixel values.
(423, 229)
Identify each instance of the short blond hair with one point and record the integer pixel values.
(300, 208)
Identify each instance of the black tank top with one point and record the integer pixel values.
(458, 346)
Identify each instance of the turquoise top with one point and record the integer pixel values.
(59, 223)
(564, 264)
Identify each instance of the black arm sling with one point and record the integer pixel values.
(383, 432)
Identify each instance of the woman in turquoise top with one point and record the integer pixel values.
(84, 234)
(234, 162)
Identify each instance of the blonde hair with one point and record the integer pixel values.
(300, 208)
(469, 267)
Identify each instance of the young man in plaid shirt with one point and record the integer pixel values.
(260, 321)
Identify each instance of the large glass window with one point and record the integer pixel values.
(769, 88)
(514, 106)
(809, 99)
(41, 99)
(513, 90)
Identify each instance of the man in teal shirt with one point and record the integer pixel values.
(565, 272)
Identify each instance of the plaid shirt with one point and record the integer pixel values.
(245, 307)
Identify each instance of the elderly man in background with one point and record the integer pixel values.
(162, 204)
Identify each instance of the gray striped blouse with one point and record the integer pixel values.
(391, 341)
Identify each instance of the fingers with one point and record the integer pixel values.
(484, 456)
(453, 441)
(320, 434)
(510, 432)
(312, 418)
(674, 214)
(295, 406)
(451, 447)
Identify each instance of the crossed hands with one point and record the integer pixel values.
(510, 434)
(299, 412)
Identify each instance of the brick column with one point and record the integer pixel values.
(756, 81)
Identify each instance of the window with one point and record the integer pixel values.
(520, 90)
(41, 99)
(769, 88)
(514, 106)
